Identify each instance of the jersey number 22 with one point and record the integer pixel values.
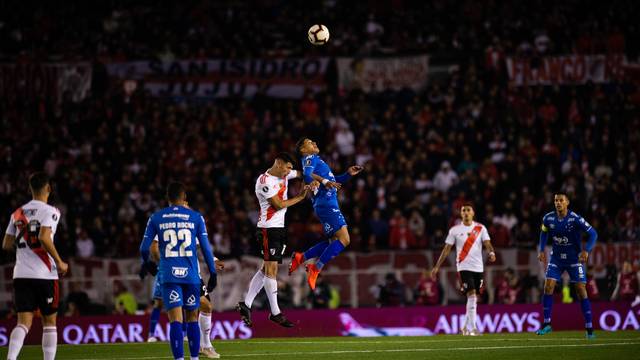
(172, 237)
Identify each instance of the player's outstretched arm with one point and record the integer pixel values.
(352, 171)
(278, 203)
(443, 255)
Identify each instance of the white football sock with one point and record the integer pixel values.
(204, 320)
(16, 340)
(471, 311)
(254, 288)
(271, 288)
(49, 342)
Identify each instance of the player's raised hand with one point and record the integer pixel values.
(314, 185)
(63, 267)
(542, 257)
(434, 273)
(583, 257)
(355, 170)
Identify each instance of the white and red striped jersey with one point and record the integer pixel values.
(32, 260)
(468, 242)
(268, 186)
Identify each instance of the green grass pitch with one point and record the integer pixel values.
(557, 345)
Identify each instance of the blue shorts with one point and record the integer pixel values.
(157, 289)
(331, 218)
(577, 272)
(177, 294)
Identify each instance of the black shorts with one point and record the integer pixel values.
(471, 280)
(273, 243)
(32, 294)
(203, 290)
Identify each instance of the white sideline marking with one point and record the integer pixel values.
(355, 340)
(476, 348)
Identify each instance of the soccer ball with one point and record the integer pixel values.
(318, 34)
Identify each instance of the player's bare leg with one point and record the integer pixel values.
(313, 270)
(204, 319)
(271, 289)
(16, 340)
(581, 291)
(547, 302)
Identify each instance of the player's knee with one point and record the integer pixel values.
(343, 236)
(49, 320)
(205, 305)
(548, 288)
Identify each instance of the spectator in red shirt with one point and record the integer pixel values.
(428, 291)
(628, 284)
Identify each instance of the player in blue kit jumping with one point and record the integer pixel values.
(325, 205)
(565, 229)
(179, 229)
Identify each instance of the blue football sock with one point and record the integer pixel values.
(547, 304)
(175, 339)
(153, 321)
(585, 304)
(329, 253)
(316, 250)
(193, 333)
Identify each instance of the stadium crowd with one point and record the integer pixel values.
(119, 30)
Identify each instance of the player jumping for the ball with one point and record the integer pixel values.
(325, 205)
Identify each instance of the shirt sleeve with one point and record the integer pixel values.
(150, 234)
(205, 246)
(308, 165)
(292, 174)
(484, 235)
(451, 239)
(583, 224)
(268, 190)
(544, 226)
(51, 218)
(11, 228)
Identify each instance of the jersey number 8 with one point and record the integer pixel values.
(172, 237)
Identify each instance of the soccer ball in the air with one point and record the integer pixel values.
(318, 34)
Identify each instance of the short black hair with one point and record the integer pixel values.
(38, 180)
(467, 204)
(175, 190)
(561, 192)
(299, 145)
(286, 157)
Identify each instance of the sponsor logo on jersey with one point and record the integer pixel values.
(561, 240)
(174, 297)
(182, 216)
(553, 226)
(265, 189)
(191, 300)
(180, 272)
(327, 227)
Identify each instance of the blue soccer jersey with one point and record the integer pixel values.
(566, 237)
(178, 229)
(325, 200)
(324, 196)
